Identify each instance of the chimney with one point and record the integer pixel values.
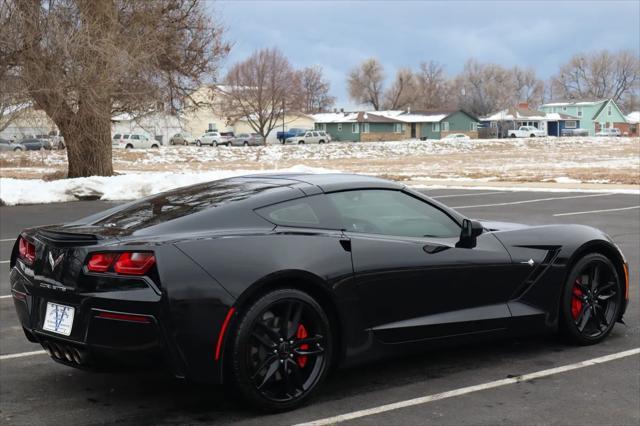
(523, 105)
(409, 109)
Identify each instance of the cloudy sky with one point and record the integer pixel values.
(340, 34)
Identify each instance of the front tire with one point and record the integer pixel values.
(198, 143)
(281, 351)
(592, 299)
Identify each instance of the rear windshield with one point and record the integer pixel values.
(182, 202)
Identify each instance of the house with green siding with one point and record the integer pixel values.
(360, 126)
(395, 125)
(593, 114)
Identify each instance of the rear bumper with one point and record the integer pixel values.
(106, 333)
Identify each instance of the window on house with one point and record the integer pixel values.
(474, 126)
(564, 108)
(571, 124)
(355, 128)
(435, 127)
(609, 110)
(365, 128)
(340, 127)
(398, 128)
(579, 111)
(212, 127)
(321, 126)
(494, 124)
(445, 126)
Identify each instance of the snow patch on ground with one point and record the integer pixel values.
(118, 188)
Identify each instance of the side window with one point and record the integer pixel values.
(306, 212)
(308, 135)
(389, 212)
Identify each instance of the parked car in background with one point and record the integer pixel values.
(6, 145)
(609, 132)
(457, 137)
(310, 136)
(182, 139)
(35, 144)
(283, 136)
(527, 132)
(133, 141)
(574, 132)
(247, 139)
(214, 139)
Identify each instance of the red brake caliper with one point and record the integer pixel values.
(576, 301)
(302, 334)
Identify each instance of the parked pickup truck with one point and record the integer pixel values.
(527, 132)
(283, 136)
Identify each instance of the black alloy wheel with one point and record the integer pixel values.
(592, 299)
(282, 350)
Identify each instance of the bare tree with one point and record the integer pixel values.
(600, 75)
(402, 93)
(433, 89)
(315, 90)
(527, 87)
(365, 83)
(82, 61)
(483, 88)
(261, 90)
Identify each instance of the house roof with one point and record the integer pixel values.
(354, 117)
(430, 116)
(11, 109)
(575, 102)
(515, 113)
(634, 117)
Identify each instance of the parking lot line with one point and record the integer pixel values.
(598, 211)
(536, 200)
(4, 261)
(3, 240)
(468, 195)
(21, 355)
(469, 389)
(6, 296)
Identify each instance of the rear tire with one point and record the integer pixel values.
(591, 300)
(246, 143)
(214, 144)
(301, 143)
(17, 149)
(198, 143)
(129, 146)
(281, 350)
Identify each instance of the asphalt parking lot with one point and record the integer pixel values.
(35, 390)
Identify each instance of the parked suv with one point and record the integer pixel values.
(247, 139)
(310, 136)
(609, 132)
(133, 140)
(214, 139)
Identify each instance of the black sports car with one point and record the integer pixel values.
(267, 281)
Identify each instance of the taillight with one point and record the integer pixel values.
(132, 263)
(124, 263)
(27, 250)
(101, 262)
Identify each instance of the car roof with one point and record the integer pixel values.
(331, 182)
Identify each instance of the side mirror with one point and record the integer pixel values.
(471, 229)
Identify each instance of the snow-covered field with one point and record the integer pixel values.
(34, 176)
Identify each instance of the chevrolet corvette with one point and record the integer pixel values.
(266, 282)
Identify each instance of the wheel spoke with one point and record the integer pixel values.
(317, 350)
(284, 320)
(309, 340)
(271, 370)
(273, 335)
(294, 375)
(594, 276)
(270, 359)
(602, 317)
(583, 318)
(264, 341)
(295, 321)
